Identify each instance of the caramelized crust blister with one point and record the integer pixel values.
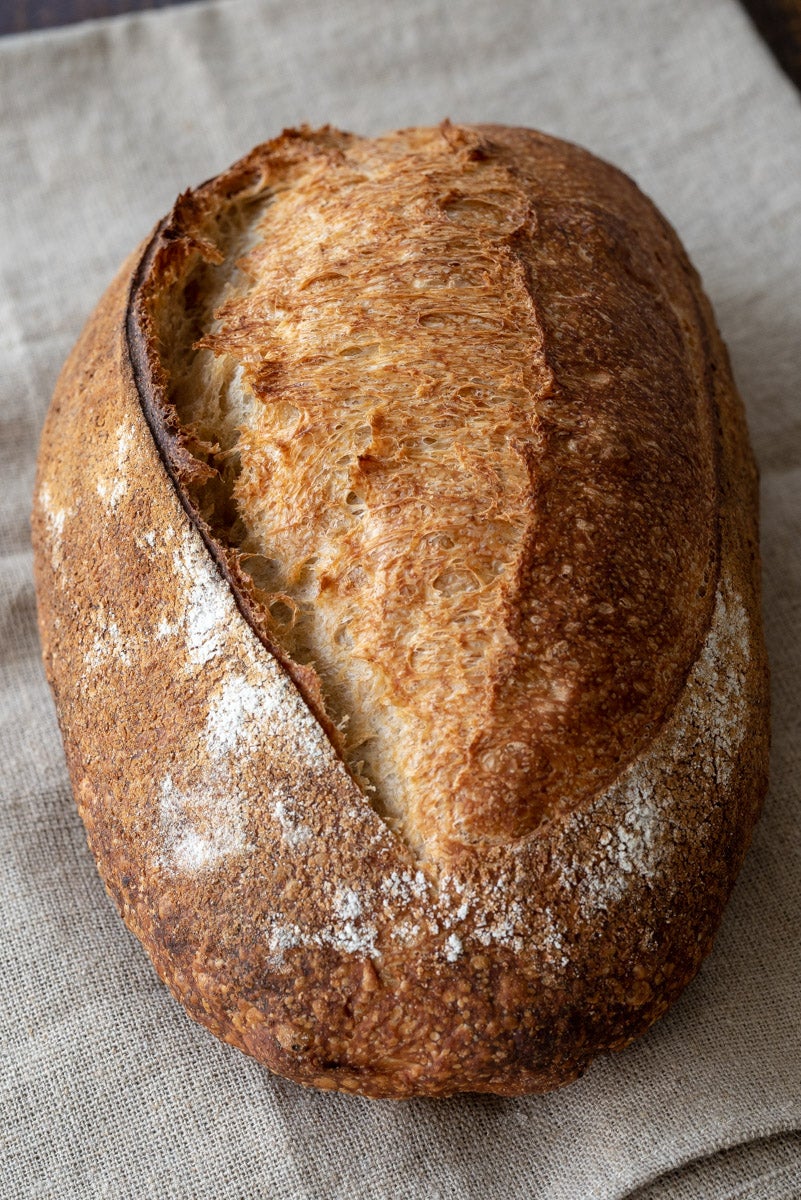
(436, 647)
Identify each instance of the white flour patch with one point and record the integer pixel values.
(505, 929)
(311, 744)
(454, 907)
(347, 905)
(109, 642)
(553, 939)
(351, 938)
(283, 937)
(205, 615)
(723, 668)
(348, 931)
(704, 734)
(200, 828)
(402, 886)
(258, 700)
(249, 712)
(406, 932)
(112, 490)
(238, 711)
(209, 610)
(345, 936)
(453, 948)
(293, 832)
(55, 519)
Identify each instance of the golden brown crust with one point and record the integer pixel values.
(502, 619)
(273, 899)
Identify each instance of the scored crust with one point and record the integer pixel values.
(496, 621)
(550, 870)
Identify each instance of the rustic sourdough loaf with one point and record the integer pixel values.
(398, 579)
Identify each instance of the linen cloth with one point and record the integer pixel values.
(107, 1088)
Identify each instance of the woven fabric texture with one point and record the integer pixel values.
(107, 1089)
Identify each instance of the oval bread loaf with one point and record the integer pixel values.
(396, 550)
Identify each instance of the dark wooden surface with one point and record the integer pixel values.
(16, 16)
(778, 21)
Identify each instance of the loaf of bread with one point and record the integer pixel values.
(398, 579)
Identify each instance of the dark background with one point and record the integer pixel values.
(19, 15)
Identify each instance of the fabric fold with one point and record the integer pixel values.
(108, 1088)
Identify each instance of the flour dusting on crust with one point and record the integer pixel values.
(632, 848)
(236, 712)
(55, 520)
(706, 730)
(253, 706)
(207, 605)
(635, 846)
(201, 827)
(110, 643)
(114, 487)
(293, 831)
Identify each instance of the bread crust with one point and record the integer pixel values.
(275, 902)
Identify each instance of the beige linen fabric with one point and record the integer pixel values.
(107, 1089)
